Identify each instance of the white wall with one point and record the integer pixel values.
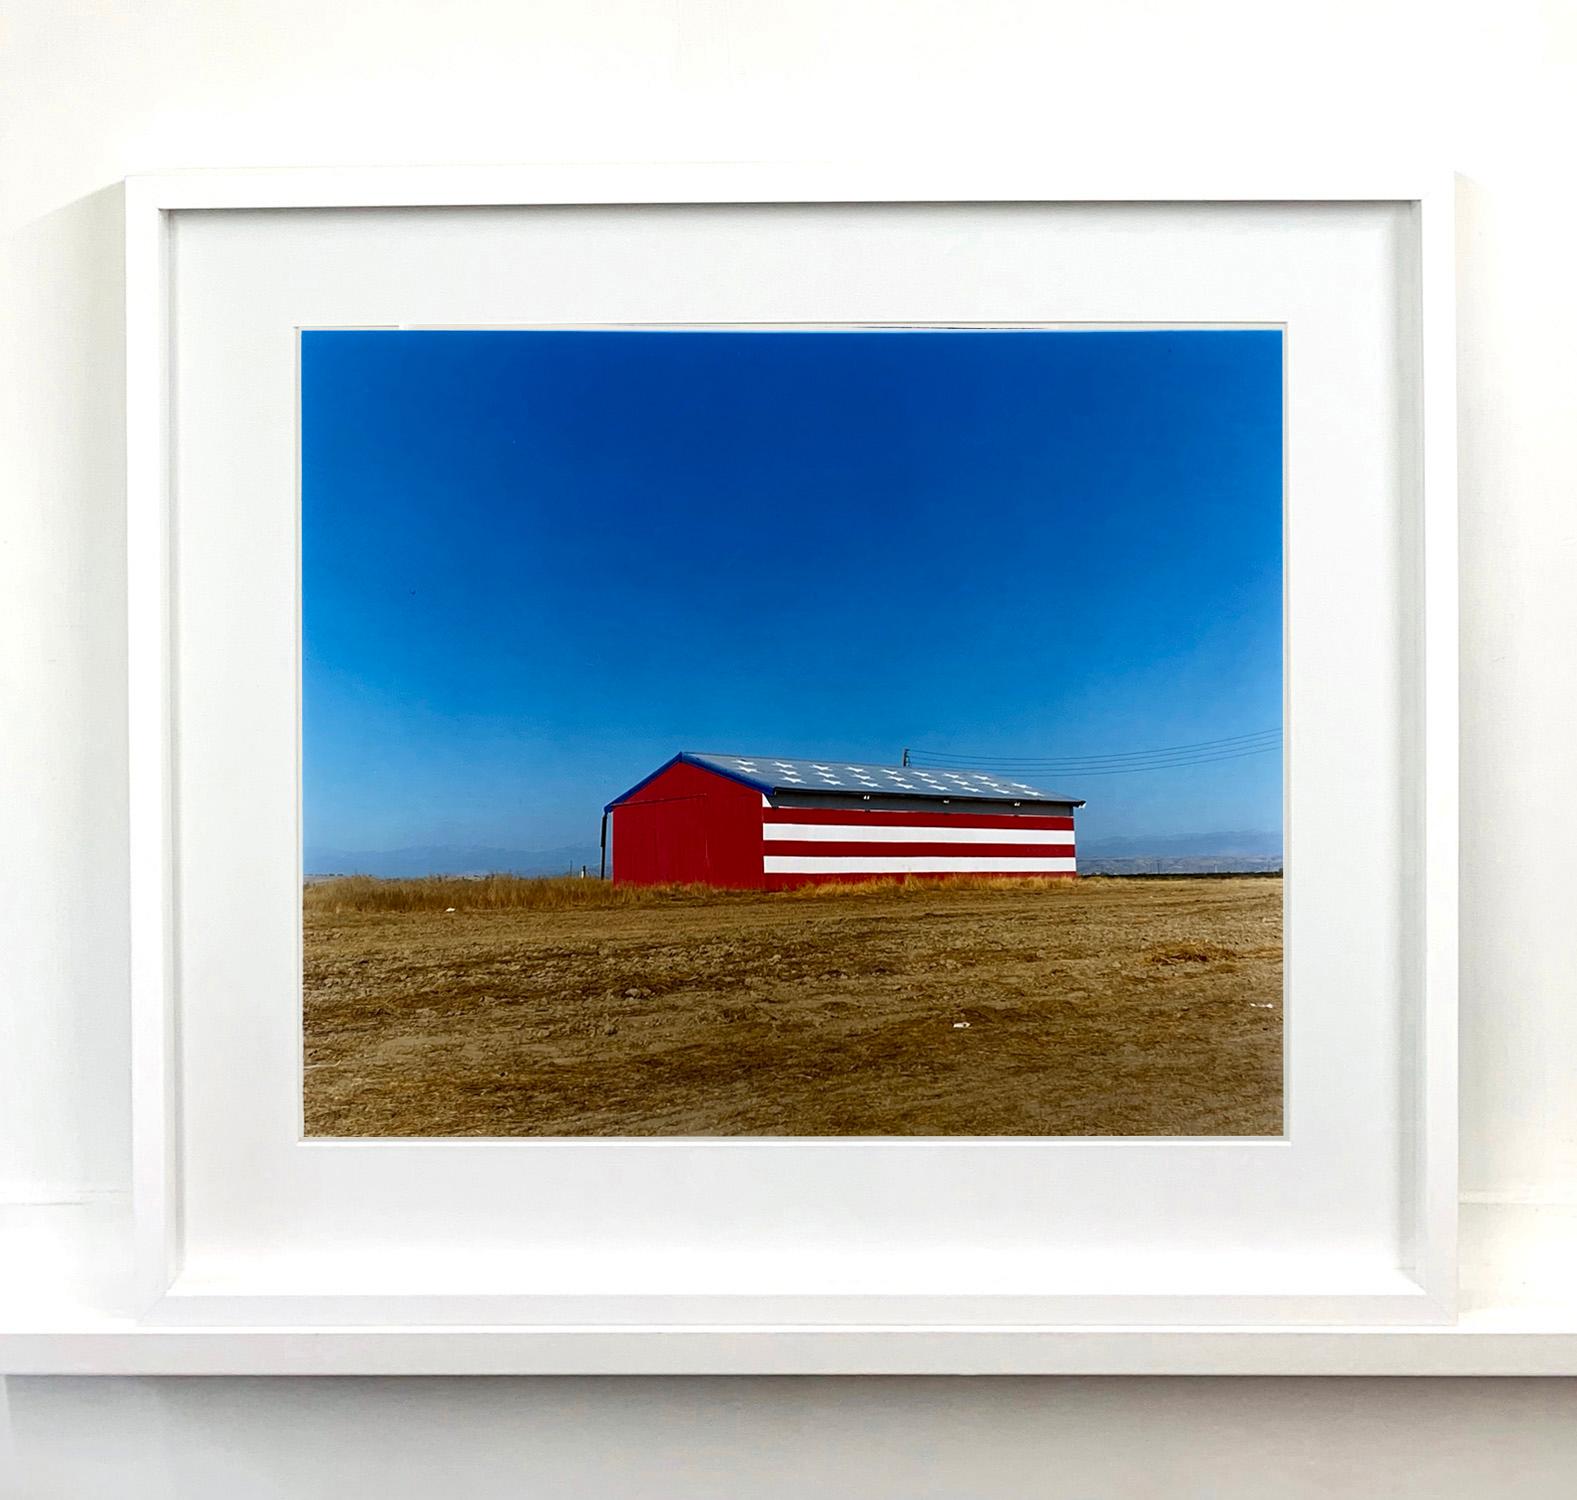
(93, 89)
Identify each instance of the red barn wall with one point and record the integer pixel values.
(688, 824)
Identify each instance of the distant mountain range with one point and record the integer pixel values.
(449, 859)
(1172, 854)
(1237, 852)
(1241, 843)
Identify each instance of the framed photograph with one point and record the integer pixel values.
(790, 770)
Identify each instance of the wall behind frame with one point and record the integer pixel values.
(91, 92)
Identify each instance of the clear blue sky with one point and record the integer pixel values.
(536, 564)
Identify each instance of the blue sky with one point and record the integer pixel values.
(536, 564)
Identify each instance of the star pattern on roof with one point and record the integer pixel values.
(773, 774)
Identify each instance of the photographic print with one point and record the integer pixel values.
(792, 732)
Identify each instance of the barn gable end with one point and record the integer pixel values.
(687, 825)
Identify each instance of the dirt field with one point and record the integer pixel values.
(1096, 1007)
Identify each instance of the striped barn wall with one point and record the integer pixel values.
(802, 844)
(692, 823)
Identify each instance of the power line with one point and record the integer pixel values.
(1129, 770)
(1204, 760)
(1114, 763)
(1234, 741)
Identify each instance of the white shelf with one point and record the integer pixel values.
(1519, 1317)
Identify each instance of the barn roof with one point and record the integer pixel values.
(772, 773)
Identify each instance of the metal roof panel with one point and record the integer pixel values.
(773, 773)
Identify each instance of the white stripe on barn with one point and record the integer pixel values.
(910, 833)
(918, 864)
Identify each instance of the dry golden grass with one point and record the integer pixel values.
(1095, 1007)
(445, 893)
(441, 893)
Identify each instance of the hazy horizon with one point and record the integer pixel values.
(1225, 847)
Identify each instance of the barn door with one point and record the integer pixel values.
(661, 842)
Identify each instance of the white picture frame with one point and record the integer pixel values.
(296, 1314)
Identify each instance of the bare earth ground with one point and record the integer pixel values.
(1096, 1007)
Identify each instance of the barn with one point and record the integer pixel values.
(764, 822)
